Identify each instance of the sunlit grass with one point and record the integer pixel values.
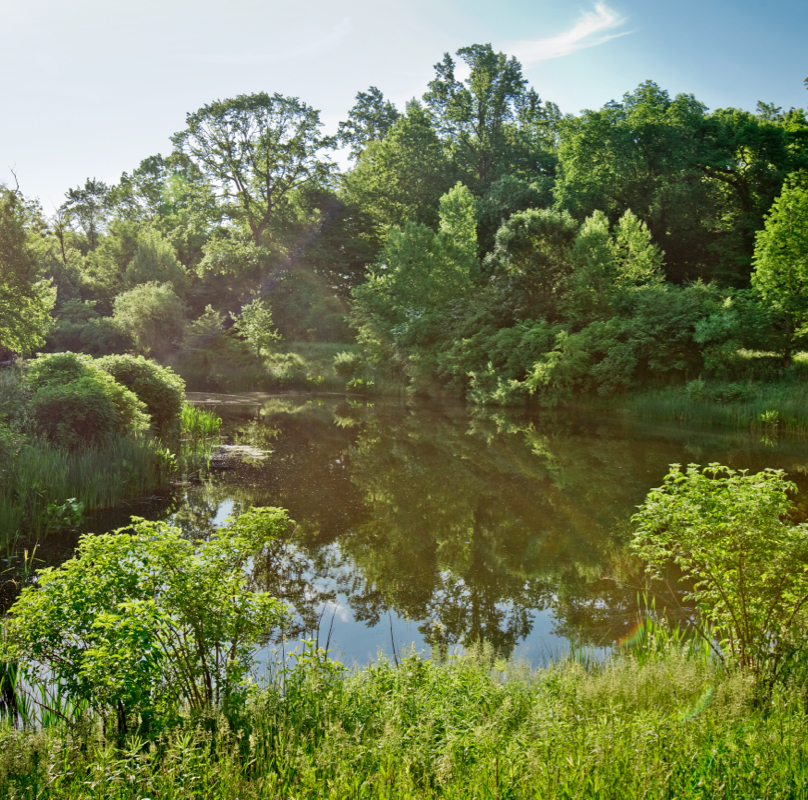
(40, 475)
(670, 725)
(199, 431)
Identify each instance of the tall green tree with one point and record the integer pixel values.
(640, 154)
(530, 265)
(474, 114)
(407, 297)
(701, 182)
(88, 206)
(781, 261)
(257, 149)
(399, 179)
(173, 196)
(26, 300)
(155, 260)
(369, 120)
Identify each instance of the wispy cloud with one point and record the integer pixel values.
(306, 49)
(592, 28)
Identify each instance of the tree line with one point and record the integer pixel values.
(479, 240)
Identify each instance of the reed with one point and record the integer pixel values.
(41, 476)
(770, 408)
(199, 431)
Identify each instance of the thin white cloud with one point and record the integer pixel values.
(592, 28)
(312, 47)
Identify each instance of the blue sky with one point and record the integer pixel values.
(91, 87)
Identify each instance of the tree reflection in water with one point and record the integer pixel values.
(468, 524)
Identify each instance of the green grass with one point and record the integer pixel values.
(199, 431)
(666, 725)
(772, 408)
(38, 476)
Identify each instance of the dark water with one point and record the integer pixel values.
(429, 524)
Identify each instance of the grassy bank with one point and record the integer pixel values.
(42, 486)
(771, 408)
(669, 725)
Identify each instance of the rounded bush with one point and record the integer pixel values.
(161, 390)
(75, 403)
(85, 412)
(346, 364)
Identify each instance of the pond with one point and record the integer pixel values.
(429, 524)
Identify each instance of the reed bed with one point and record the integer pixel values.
(666, 725)
(199, 431)
(773, 408)
(40, 479)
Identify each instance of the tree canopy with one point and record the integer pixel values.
(257, 149)
(26, 300)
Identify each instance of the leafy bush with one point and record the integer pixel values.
(155, 261)
(215, 359)
(359, 385)
(346, 364)
(286, 369)
(159, 388)
(86, 412)
(730, 534)
(255, 324)
(76, 403)
(142, 621)
(79, 328)
(153, 315)
(57, 368)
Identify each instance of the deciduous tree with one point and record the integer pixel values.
(257, 149)
(26, 300)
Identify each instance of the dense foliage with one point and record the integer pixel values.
(142, 621)
(652, 241)
(78, 433)
(730, 534)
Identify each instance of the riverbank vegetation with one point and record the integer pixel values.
(481, 244)
(665, 725)
(652, 253)
(78, 433)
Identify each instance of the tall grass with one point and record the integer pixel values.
(199, 431)
(775, 408)
(40, 476)
(667, 725)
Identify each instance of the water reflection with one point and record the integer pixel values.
(448, 525)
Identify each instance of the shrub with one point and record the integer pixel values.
(159, 388)
(57, 368)
(730, 534)
(80, 328)
(155, 261)
(142, 621)
(75, 403)
(86, 411)
(346, 364)
(153, 315)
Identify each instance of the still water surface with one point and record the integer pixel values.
(429, 524)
